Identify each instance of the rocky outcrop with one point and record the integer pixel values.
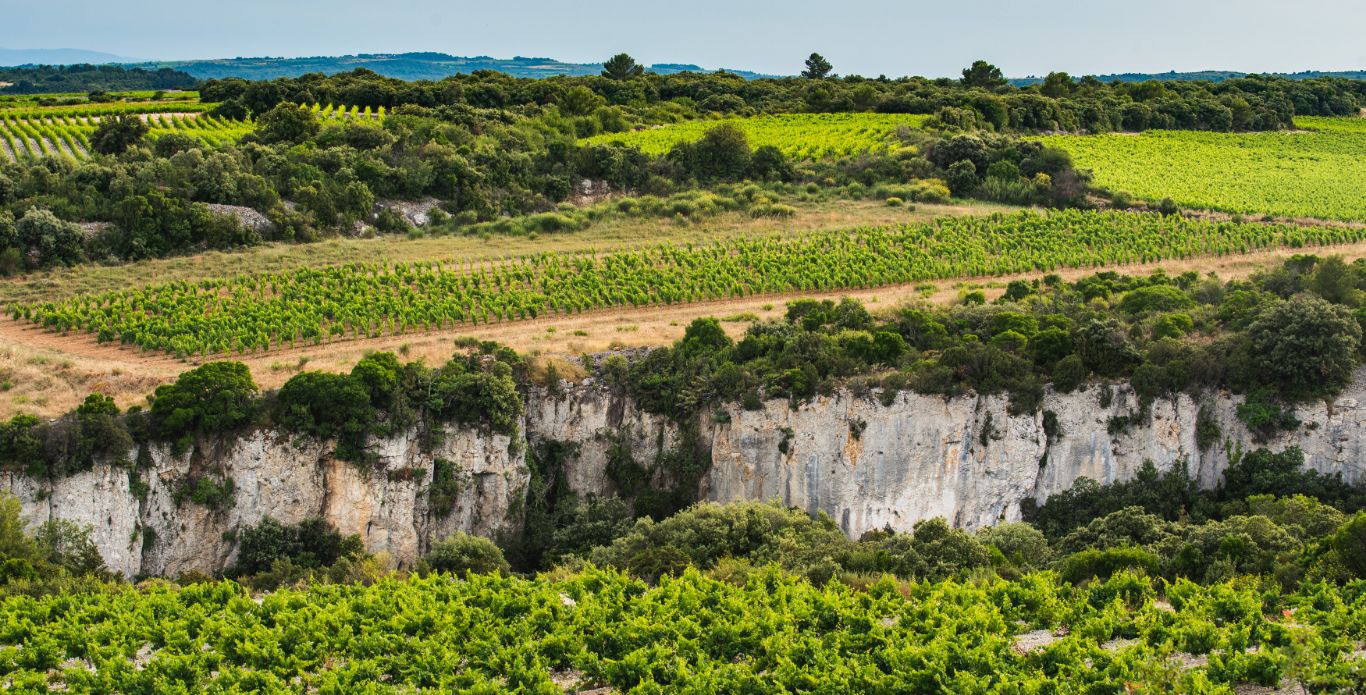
(144, 524)
(864, 463)
(415, 212)
(250, 218)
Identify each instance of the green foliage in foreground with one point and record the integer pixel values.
(771, 633)
(260, 312)
(1320, 173)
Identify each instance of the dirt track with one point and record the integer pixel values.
(48, 373)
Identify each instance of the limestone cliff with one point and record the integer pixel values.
(863, 463)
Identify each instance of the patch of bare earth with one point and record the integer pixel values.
(1034, 641)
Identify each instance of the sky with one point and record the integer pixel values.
(910, 37)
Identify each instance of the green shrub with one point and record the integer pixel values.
(1021, 544)
(462, 553)
(1305, 347)
(214, 398)
(1350, 545)
(444, 490)
(1264, 415)
(311, 543)
(1101, 564)
(1069, 374)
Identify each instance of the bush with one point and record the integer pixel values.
(312, 543)
(1023, 545)
(962, 178)
(1264, 415)
(462, 553)
(1350, 545)
(327, 405)
(1069, 374)
(1263, 472)
(116, 133)
(1169, 495)
(1154, 298)
(1101, 564)
(1305, 347)
(723, 153)
(706, 532)
(215, 398)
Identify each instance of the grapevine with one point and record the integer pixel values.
(252, 313)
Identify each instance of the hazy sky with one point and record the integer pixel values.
(858, 36)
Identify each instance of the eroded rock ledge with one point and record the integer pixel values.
(865, 464)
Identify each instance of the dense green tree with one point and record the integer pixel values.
(723, 153)
(117, 133)
(287, 123)
(983, 74)
(461, 553)
(1057, 85)
(1305, 347)
(1023, 545)
(622, 67)
(580, 101)
(1350, 545)
(45, 240)
(817, 67)
(212, 398)
(311, 543)
(962, 178)
(326, 405)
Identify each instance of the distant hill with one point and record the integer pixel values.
(405, 66)
(435, 66)
(1201, 76)
(82, 77)
(56, 56)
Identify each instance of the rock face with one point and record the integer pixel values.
(415, 212)
(156, 531)
(250, 218)
(863, 463)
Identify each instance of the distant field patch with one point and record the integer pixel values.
(1318, 172)
(798, 135)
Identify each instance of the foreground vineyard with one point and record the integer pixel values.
(691, 634)
(313, 305)
(801, 136)
(1318, 173)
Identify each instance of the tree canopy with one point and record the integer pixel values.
(817, 67)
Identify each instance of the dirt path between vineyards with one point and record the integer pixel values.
(49, 373)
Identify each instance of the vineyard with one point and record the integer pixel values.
(250, 313)
(1319, 172)
(35, 132)
(801, 136)
(31, 134)
(774, 633)
(334, 111)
